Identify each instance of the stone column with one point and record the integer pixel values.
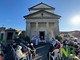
(28, 29)
(6, 37)
(13, 35)
(37, 30)
(56, 29)
(37, 34)
(47, 30)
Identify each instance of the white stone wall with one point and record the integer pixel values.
(42, 6)
(33, 11)
(50, 11)
(42, 20)
(44, 15)
(46, 22)
(2, 32)
(51, 31)
(42, 27)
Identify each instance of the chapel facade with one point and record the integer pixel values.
(42, 22)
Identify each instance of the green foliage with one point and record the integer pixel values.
(17, 40)
(0, 40)
(59, 38)
(27, 39)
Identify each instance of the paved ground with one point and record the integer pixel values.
(42, 52)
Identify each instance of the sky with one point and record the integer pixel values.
(12, 12)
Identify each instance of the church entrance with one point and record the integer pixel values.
(42, 36)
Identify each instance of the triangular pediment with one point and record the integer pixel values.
(42, 14)
(41, 6)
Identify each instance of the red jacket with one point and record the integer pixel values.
(58, 46)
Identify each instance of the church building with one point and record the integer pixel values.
(42, 22)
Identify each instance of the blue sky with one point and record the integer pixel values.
(12, 12)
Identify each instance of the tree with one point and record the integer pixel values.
(27, 39)
(0, 40)
(59, 38)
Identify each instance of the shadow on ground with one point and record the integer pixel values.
(42, 51)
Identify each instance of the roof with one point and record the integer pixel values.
(39, 12)
(40, 4)
(10, 29)
(2, 28)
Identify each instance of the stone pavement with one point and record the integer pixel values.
(41, 52)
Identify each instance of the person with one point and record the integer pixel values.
(1, 58)
(42, 38)
(56, 50)
(25, 52)
(55, 54)
(52, 48)
(19, 53)
(14, 45)
(37, 40)
(33, 39)
(76, 58)
(71, 57)
(78, 55)
(54, 42)
(58, 45)
(32, 50)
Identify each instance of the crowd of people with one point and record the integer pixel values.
(1, 54)
(74, 44)
(25, 51)
(54, 51)
(19, 51)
